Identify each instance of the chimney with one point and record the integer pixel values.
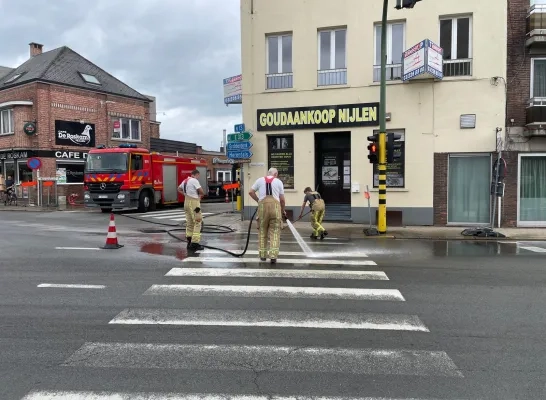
(35, 49)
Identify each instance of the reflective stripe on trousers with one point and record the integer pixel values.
(269, 213)
(193, 219)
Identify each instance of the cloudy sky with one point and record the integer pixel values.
(176, 50)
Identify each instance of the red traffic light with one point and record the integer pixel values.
(373, 148)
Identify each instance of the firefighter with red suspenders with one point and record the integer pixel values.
(192, 191)
(271, 209)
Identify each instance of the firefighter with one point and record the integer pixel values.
(193, 192)
(318, 208)
(271, 209)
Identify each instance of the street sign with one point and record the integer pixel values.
(238, 146)
(237, 137)
(239, 128)
(239, 154)
(34, 163)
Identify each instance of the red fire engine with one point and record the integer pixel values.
(132, 177)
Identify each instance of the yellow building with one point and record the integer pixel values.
(311, 98)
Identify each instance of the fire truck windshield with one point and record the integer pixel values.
(107, 162)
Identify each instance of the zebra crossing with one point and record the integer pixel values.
(175, 215)
(322, 271)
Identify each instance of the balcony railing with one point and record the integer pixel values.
(536, 25)
(460, 67)
(394, 72)
(280, 81)
(536, 111)
(329, 77)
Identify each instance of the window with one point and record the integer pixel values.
(469, 178)
(72, 173)
(532, 190)
(280, 150)
(395, 48)
(332, 57)
(90, 79)
(538, 77)
(130, 129)
(137, 162)
(24, 172)
(13, 78)
(456, 40)
(6, 122)
(279, 62)
(396, 171)
(223, 176)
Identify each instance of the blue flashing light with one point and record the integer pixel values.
(128, 146)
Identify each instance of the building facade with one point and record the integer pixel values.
(524, 142)
(311, 92)
(56, 106)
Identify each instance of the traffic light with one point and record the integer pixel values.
(394, 151)
(373, 149)
(405, 4)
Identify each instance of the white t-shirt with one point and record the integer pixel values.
(192, 185)
(277, 188)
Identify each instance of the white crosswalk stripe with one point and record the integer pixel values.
(176, 215)
(229, 280)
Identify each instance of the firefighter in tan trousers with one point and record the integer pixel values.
(193, 192)
(271, 208)
(318, 208)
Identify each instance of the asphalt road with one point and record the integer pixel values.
(356, 319)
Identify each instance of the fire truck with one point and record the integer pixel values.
(131, 177)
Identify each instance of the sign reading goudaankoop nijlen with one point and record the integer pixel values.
(322, 117)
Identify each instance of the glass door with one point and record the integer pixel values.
(532, 190)
(468, 189)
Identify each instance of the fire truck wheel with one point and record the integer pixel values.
(144, 202)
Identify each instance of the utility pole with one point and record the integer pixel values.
(382, 166)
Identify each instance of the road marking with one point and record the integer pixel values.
(264, 358)
(533, 248)
(310, 243)
(276, 292)
(269, 318)
(70, 286)
(159, 213)
(77, 248)
(347, 254)
(278, 273)
(80, 395)
(307, 261)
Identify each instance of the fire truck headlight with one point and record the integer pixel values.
(86, 196)
(121, 196)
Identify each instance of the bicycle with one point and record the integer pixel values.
(10, 198)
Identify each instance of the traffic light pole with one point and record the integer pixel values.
(382, 166)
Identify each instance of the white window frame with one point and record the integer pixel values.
(332, 49)
(131, 121)
(223, 172)
(531, 87)
(279, 52)
(389, 41)
(526, 224)
(454, 27)
(11, 121)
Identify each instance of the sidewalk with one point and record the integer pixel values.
(355, 231)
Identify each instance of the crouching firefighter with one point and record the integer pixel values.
(192, 191)
(271, 209)
(318, 208)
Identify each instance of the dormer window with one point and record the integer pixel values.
(90, 79)
(13, 78)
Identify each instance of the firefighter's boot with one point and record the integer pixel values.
(188, 239)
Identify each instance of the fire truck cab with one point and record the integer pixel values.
(131, 177)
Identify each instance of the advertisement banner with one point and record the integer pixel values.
(72, 133)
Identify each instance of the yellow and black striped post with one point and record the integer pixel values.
(382, 167)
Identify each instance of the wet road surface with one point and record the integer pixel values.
(361, 319)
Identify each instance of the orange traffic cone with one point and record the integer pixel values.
(112, 237)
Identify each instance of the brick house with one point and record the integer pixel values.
(57, 106)
(524, 147)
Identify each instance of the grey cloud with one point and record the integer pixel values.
(177, 50)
